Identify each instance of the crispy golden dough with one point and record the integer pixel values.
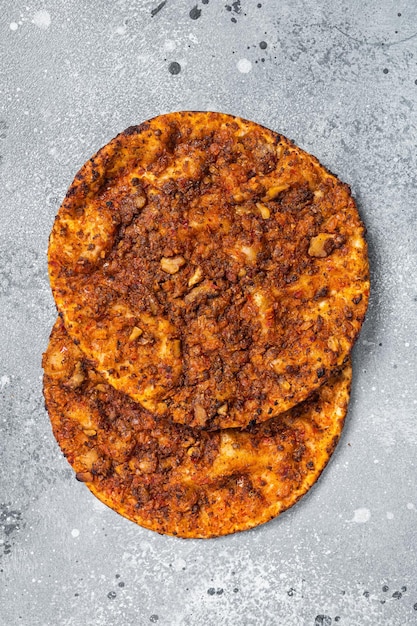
(210, 269)
(177, 480)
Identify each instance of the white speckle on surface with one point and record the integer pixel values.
(365, 342)
(42, 19)
(143, 58)
(121, 30)
(244, 66)
(178, 565)
(170, 45)
(75, 532)
(361, 516)
(390, 515)
(4, 380)
(13, 26)
(410, 506)
(192, 38)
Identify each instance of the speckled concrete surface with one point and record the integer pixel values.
(340, 78)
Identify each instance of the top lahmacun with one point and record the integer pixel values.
(210, 269)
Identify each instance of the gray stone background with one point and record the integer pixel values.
(340, 78)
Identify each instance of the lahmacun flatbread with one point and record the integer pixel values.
(210, 269)
(182, 481)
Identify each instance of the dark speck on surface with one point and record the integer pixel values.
(3, 129)
(397, 595)
(259, 5)
(415, 606)
(235, 590)
(158, 8)
(234, 20)
(385, 588)
(404, 589)
(366, 594)
(322, 620)
(263, 45)
(385, 70)
(211, 591)
(154, 618)
(290, 591)
(337, 618)
(174, 68)
(219, 591)
(235, 7)
(195, 13)
(111, 595)
(10, 524)
(121, 584)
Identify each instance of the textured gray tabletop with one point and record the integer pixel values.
(340, 78)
